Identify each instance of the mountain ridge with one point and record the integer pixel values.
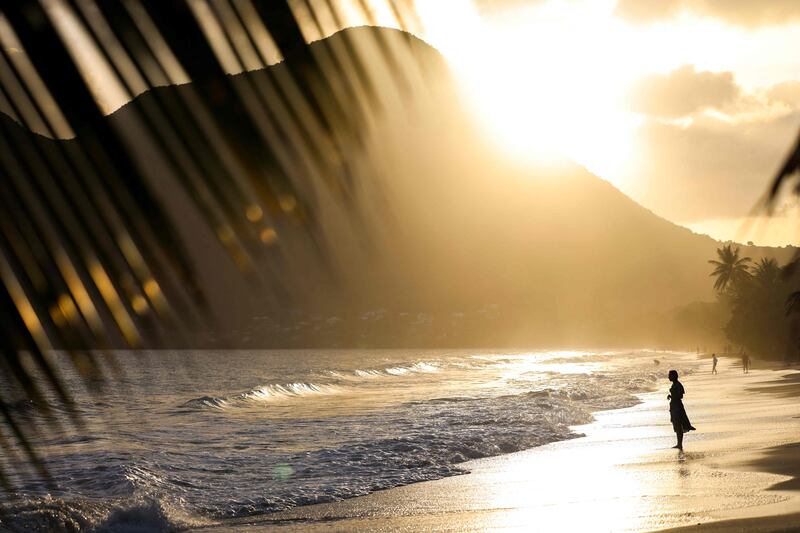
(5, 114)
(563, 253)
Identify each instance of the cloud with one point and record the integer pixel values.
(682, 92)
(711, 168)
(647, 10)
(707, 149)
(747, 13)
(488, 7)
(786, 93)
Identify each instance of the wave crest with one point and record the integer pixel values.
(265, 393)
(119, 515)
(287, 391)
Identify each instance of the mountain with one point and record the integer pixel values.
(437, 241)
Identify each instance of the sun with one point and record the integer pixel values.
(546, 82)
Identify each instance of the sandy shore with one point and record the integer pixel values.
(737, 472)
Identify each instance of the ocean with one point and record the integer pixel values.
(189, 438)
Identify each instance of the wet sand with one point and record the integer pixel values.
(737, 473)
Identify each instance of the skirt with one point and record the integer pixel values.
(678, 417)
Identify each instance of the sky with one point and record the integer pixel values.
(687, 106)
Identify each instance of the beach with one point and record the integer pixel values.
(736, 472)
(423, 440)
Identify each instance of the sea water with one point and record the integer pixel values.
(182, 438)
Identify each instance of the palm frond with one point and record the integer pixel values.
(90, 255)
(792, 304)
(789, 169)
(730, 269)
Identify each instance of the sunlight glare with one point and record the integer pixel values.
(546, 82)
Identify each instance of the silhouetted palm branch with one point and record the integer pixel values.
(792, 304)
(90, 258)
(788, 173)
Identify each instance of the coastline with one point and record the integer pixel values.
(736, 472)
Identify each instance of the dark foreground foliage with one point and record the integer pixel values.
(89, 258)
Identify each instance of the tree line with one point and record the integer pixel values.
(762, 302)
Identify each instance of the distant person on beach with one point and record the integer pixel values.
(677, 413)
(745, 362)
(714, 363)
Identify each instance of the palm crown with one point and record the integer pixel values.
(729, 267)
(767, 272)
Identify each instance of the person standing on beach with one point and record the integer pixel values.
(745, 362)
(714, 363)
(677, 413)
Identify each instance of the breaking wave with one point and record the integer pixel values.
(340, 381)
(128, 515)
(266, 393)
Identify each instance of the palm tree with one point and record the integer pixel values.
(730, 269)
(767, 272)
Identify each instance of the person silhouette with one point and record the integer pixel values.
(677, 413)
(714, 363)
(745, 362)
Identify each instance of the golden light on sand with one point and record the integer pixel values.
(560, 494)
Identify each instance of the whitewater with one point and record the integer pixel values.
(180, 439)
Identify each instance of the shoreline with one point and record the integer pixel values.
(620, 476)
